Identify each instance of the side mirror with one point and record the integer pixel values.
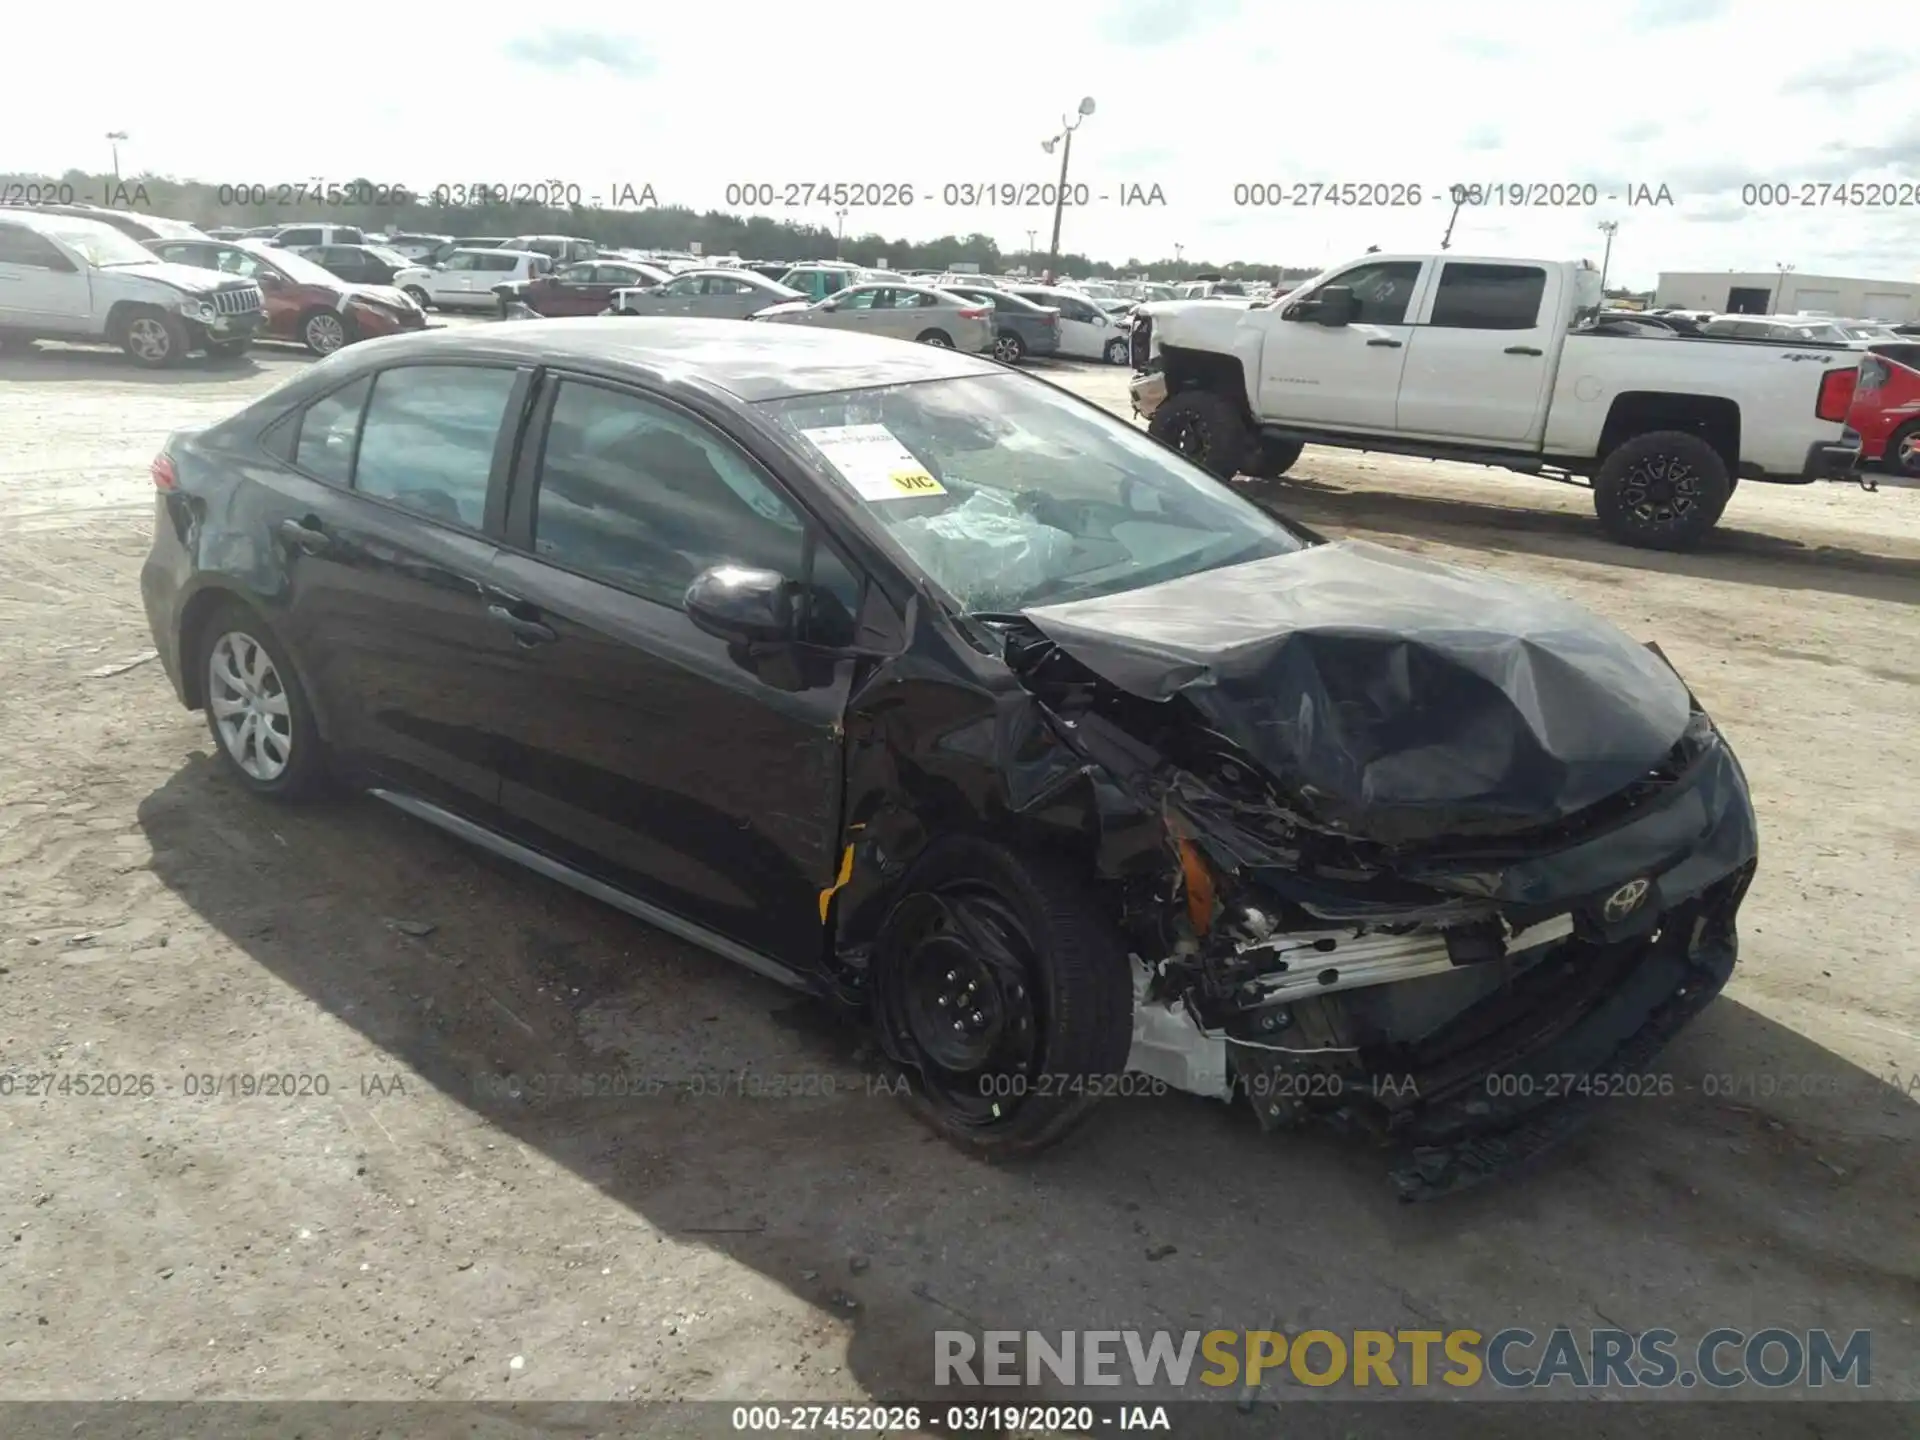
(1335, 306)
(60, 264)
(742, 606)
(829, 304)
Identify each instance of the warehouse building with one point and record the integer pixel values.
(1771, 292)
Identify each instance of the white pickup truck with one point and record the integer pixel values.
(65, 278)
(1495, 362)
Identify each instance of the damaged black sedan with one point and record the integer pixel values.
(935, 690)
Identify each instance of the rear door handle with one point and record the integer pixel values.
(306, 536)
(1385, 344)
(1521, 350)
(527, 632)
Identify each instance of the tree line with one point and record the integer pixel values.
(654, 227)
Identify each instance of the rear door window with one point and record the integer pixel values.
(327, 432)
(428, 440)
(1489, 297)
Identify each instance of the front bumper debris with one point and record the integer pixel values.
(1148, 393)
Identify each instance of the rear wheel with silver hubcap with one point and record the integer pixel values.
(255, 707)
(1008, 348)
(939, 339)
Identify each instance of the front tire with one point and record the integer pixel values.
(1118, 351)
(324, 331)
(1009, 348)
(154, 338)
(1207, 429)
(1661, 491)
(1002, 995)
(939, 339)
(1274, 458)
(257, 711)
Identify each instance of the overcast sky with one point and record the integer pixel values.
(1193, 96)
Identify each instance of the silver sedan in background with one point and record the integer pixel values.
(904, 312)
(714, 294)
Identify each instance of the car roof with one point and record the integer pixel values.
(748, 362)
(56, 223)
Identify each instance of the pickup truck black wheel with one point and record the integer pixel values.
(153, 338)
(1206, 428)
(1274, 458)
(1002, 997)
(1902, 456)
(1661, 491)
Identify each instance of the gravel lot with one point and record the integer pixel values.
(410, 1233)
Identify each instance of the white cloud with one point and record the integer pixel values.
(1193, 96)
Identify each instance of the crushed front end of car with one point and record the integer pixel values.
(1441, 856)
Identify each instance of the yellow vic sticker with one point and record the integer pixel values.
(916, 482)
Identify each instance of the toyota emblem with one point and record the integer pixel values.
(1624, 901)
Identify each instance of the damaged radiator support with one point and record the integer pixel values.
(1170, 1044)
(1318, 964)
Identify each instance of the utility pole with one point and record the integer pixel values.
(840, 232)
(1065, 141)
(114, 137)
(1607, 227)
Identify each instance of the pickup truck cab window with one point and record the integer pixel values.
(1382, 292)
(1488, 297)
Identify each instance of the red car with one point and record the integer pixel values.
(585, 288)
(1886, 409)
(304, 303)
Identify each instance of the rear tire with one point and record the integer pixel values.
(420, 297)
(1902, 456)
(1661, 491)
(1009, 348)
(1002, 995)
(257, 712)
(1206, 428)
(153, 338)
(939, 339)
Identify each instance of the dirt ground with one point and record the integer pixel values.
(418, 1232)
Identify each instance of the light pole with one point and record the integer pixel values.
(1033, 242)
(1065, 141)
(1178, 251)
(840, 232)
(1607, 227)
(1780, 289)
(114, 137)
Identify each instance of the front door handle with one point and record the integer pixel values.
(1385, 344)
(306, 536)
(527, 632)
(1521, 350)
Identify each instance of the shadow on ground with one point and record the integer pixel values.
(1728, 553)
(1695, 1210)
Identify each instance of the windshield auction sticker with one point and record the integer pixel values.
(874, 462)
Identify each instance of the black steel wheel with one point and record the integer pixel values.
(1206, 428)
(1273, 458)
(1661, 491)
(1001, 994)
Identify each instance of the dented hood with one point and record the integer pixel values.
(1394, 697)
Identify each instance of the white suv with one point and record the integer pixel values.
(65, 278)
(467, 277)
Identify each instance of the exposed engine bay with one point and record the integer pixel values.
(1436, 878)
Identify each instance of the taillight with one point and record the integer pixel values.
(977, 313)
(1836, 394)
(162, 470)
